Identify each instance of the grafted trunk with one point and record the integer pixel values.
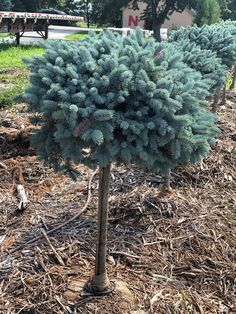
(100, 281)
(233, 78)
(223, 96)
(215, 104)
(166, 183)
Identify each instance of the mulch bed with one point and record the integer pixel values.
(176, 252)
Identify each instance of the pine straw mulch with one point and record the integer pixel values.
(176, 252)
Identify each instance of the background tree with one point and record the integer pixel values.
(27, 6)
(208, 12)
(69, 6)
(85, 9)
(232, 7)
(102, 12)
(18, 6)
(108, 12)
(5, 5)
(157, 11)
(224, 9)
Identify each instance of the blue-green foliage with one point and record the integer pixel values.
(219, 38)
(203, 60)
(125, 100)
(210, 49)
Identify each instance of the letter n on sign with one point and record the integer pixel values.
(133, 21)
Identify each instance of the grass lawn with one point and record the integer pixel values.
(4, 35)
(76, 36)
(84, 25)
(13, 71)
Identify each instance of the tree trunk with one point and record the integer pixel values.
(156, 25)
(88, 19)
(100, 281)
(166, 183)
(215, 104)
(223, 96)
(17, 39)
(233, 79)
(157, 31)
(87, 14)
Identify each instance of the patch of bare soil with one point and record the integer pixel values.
(177, 252)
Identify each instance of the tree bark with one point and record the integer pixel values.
(166, 183)
(100, 281)
(87, 14)
(223, 96)
(215, 104)
(156, 26)
(233, 79)
(157, 32)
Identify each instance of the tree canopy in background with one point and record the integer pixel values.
(228, 9)
(208, 12)
(108, 12)
(5, 5)
(68, 6)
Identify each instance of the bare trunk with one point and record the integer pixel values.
(166, 183)
(233, 79)
(223, 96)
(156, 25)
(157, 32)
(215, 104)
(100, 281)
(87, 14)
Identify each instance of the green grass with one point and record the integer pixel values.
(13, 71)
(84, 25)
(11, 55)
(76, 36)
(4, 35)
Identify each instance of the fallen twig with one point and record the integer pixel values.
(53, 249)
(124, 254)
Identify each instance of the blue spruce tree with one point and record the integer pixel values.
(218, 38)
(126, 100)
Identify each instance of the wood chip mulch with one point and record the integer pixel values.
(176, 252)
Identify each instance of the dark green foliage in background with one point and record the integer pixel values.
(228, 9)
(5, 5)
(208, 12)
(69, 6)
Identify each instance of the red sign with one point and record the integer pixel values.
(133, 21)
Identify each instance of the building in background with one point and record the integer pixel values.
(131, 18)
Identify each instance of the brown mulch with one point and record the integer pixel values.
(176, 252)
